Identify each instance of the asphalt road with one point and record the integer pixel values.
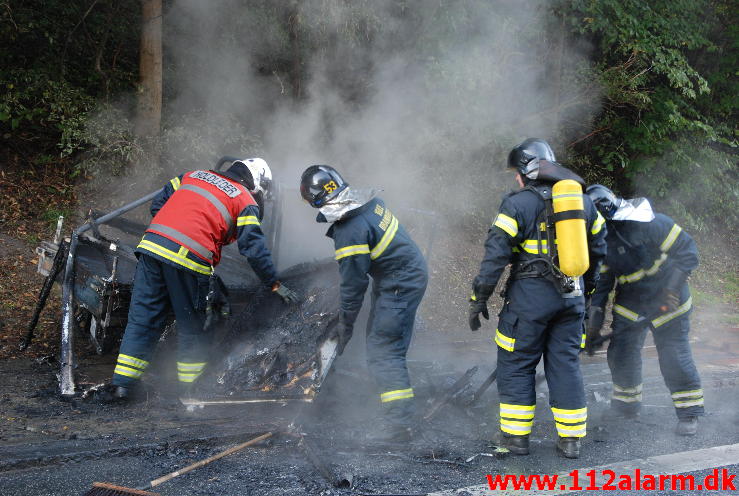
(435, 461)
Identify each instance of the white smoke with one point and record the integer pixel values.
(420, 99)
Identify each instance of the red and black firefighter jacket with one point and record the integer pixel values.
(199, 212)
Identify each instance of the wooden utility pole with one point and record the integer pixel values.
(149, 108)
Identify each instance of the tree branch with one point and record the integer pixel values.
(69, 37)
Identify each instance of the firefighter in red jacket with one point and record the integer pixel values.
(195, 215)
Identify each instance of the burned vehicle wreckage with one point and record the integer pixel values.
(274, 352)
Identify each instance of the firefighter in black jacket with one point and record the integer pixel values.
(649, 261)
(369, 241)
(543, 309)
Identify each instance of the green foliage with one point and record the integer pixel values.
(668, 126)
(45, 109)
(694, 182)
(66, 57)
(109, 142)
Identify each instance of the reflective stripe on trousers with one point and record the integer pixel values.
(516, 419)
(130, 366)
(398, 394)
(188, 372)
(570, 423)
(627, 394)
(686, 399)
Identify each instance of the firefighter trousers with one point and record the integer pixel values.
(389, 332)
(160, 289)
(675, 362)
(537, 321)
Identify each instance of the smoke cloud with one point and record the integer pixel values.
(419, 99)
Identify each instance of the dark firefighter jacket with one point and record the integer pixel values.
(199, 212)
(369, 241)
(641, 257)
(513, 238)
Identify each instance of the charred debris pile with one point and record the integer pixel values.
(271, 349)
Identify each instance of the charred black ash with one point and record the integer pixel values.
(272, 347)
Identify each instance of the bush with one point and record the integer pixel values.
(45, 110)
(694, 182)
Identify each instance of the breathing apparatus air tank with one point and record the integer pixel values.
(570, 227)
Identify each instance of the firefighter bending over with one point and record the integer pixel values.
(370, 241)
(649, 261)
(195, 215)
(544, 306)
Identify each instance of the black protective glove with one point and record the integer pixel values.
(287, 294)
(590, 279)
(342, 332)
(477, 307)
(672, 290)
(594, 323)
(478, 303)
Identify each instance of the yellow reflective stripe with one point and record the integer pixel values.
(603, 269)
(175, 183)
(348, 251)
(532, 246)
(688, 403)
(641, 273)
(577, 411)
(574, 417)
(626, 313)
(184, 367)
(628, 390)
(571, 430)
(518, 423)
(522, 416)
(633, 277)
(516, 428)
(248, 220)
(129, 360)
(176, 257)
(656, 265)
(508, 224)
(385, 240)
(127, 371)
(582, 340)
(398, 394)
(517, 411)
(669, 316)
(504, 341)
(187, 377)
(598, 224)
(627, 399)
(671, 237)
(524, 408)
(695, 393)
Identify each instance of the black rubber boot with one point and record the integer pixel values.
(390, 434)
(518, 445)
(615, 413)
(687, 426)
(569, 447)
(121, 393)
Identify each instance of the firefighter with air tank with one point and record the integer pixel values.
(554, 239)
(194, 216)
(649, 260)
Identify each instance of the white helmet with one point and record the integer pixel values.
(260, 173)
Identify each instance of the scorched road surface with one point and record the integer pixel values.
(131, 445)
